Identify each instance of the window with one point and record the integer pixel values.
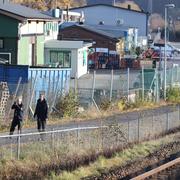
(61, 58)
(1, 43)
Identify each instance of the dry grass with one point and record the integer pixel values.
(121, 158)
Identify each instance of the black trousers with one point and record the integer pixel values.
(41, 124)
(16, 122)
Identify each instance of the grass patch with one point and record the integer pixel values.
(103, 164)
(41, 159)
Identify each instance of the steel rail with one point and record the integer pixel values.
(157, 170)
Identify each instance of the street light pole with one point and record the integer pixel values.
(165, 54)
(167, 6)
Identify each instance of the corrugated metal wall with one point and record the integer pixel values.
(39, 79)
(49, 80)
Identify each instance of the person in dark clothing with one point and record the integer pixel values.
(41, 112)
(18, 116)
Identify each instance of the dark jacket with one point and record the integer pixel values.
(18, 111)
(41, 110)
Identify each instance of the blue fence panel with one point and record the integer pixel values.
(1, 72)
(13, 73)
(49, 80)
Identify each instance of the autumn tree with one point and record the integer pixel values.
(156, 21)
(49, 4)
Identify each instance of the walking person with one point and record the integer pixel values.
(18, 116)
(41, 112)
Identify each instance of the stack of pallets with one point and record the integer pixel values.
(4, 95)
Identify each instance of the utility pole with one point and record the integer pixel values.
(150, 6)
(167, 6)
(114, 3)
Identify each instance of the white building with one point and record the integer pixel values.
(68, 54)
(66, 16)
(114, 16)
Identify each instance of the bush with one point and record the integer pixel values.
(123, 104)
(173, 95)
(68, 104)
(105, 104)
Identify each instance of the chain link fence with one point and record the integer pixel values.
(106, 133)
(30, 93)
(145, 84)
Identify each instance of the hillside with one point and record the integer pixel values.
(157, 5)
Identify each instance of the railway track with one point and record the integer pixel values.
(169, 171)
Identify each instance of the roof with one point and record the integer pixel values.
(112, 32)
(20, 12)
(108, 5)
(67, 44)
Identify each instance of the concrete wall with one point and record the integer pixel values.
(110, 15)
(32, 27)
(82, 63)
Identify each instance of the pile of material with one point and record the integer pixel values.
(4, 95)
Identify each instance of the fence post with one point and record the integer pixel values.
(76, 83)
(138, 129)
(102, 143)
(93, 85)
(172, 76)
(128, 131)
(18, 145)
(152, 124)
(11, 150)
(78, 135)
(111, 89)
(128, 83)
(167, 122)
(179, 111)
(32, 93)
(93, 88)
(118, 127)
(55, 96)
(157, 85)
(53, 142)
(143, 83)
